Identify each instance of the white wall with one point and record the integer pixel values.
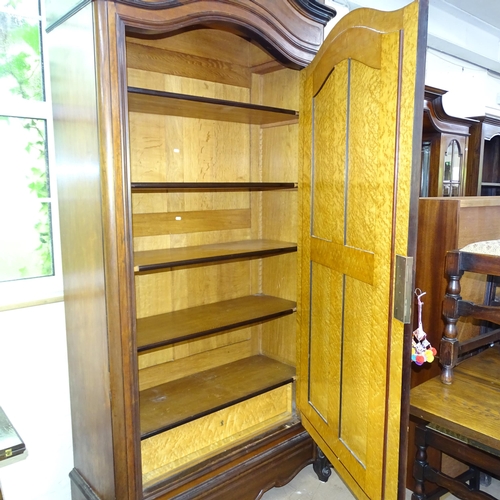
(34, 394)
(463, 55)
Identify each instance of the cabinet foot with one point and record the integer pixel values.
(322, 466)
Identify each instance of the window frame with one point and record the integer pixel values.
(33, 291)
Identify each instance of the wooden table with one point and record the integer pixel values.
(463, 421)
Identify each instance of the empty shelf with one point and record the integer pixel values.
(165, 329)
(171, 103)
(175, 403)
(152, 260)
(145, 187)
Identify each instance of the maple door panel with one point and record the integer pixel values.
(357, 116)
(324, 352)
(327, 184)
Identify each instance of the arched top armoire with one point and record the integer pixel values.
(234, 196)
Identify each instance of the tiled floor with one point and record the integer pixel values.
(306, 486)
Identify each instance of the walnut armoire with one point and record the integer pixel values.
(237, 206)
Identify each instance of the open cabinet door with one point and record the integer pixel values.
(361, 115)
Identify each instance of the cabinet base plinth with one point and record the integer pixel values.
(246, 472)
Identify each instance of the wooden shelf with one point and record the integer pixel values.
(170, 103)
(209, 391)
(490, 184)
(177, 326)
(153, 260)
(145, 187)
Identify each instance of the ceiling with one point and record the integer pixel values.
(487, 11)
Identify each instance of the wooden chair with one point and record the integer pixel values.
(458, 413)
(454, 307)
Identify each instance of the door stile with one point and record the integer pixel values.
(418, 33)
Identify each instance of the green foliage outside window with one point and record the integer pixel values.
(25, 206)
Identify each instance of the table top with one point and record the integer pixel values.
(470, 406)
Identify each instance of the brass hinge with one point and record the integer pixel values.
(403, 289)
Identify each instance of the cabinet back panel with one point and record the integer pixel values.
(168, 291)
(186, 349)
(279, 88)
(189, 221)
(176, 149)
(210, 44)
(166, 372)
(491, 161)
(189, 201)
(158, 60)
(184, 85)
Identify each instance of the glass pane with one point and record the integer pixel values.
(452, 170)
(21, 7)
(25, 225)
(20, 58)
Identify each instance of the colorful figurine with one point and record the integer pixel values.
(422, 351)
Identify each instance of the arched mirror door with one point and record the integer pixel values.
(444, 148)
(453, 170)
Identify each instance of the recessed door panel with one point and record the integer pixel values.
(329, 114)
(325, 351)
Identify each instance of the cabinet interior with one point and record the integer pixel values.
(213, 134)
(490, 185)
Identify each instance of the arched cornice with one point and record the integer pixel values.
(439, 119)
(290, 30)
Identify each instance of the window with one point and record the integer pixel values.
(29, 257)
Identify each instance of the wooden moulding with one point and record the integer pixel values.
(194, 322)
(152, 260)
(170, 103)
(209, 391)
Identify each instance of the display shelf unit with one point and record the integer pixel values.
(213, 190)
(444, 148)
(209, 391)
(195, 322)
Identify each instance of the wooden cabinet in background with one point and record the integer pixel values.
(447, 224)
(228, 278)
(444, 148)
(483, 170)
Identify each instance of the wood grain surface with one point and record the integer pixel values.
(172, 404)
(161, 259)
(470, 406)
(169, 103)
(203, 320)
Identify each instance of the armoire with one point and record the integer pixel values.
(483, 168)
(238, 222)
